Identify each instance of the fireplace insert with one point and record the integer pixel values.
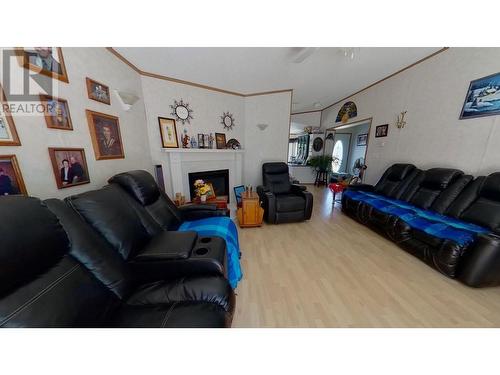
(219, 180)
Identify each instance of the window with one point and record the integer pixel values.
(338, 152)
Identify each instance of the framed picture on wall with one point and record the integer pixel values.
(220, 140)
(8, 132)
(56, 112)
(105, 133)
(98, 91)
(361, 139)
(168, 132)
(47, 61)
(483, 98)
(381, 131)
(11, 179)
(69, 166)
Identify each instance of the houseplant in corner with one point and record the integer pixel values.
(322, 165)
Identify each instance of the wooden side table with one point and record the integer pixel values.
(250, 213)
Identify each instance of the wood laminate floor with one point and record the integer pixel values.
(333, 272)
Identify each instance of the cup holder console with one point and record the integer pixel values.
(205, 240)
(201, 251)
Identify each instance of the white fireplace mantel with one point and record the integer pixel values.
(181, 161)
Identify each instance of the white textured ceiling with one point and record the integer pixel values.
(323, 77)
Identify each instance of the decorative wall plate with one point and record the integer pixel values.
(318, 144)
(233, 144)
(348, 111)
(181, 111)
(227, 120)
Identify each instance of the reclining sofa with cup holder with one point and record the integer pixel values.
(100, 259)
(446, 218)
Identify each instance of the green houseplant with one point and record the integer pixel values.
(321, 163)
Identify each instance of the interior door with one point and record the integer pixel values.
(341, 145)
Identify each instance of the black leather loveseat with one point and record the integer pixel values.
(67, 267)
(446, 218)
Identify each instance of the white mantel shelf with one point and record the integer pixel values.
(195, 150)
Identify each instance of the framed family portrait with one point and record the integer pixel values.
(98, 91)
(361, 140)
(381, 131)
(56, 112)
(70, 166)
(105, 134)
(482, 98)
(11, 180)
(168, 133)
(47, 61)
(220, 140)
(8, 132)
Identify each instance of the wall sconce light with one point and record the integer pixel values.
(400, 123)
(262, 126)
(126, 99)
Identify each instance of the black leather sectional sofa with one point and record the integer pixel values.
(449, 193)
(100, 259)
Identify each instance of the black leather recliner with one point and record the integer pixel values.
(447, 192)
(142, 186)
(55, 271)
(150, 250)
(283, 202)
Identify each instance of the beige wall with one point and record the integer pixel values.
(270, 144)
(433, 93)
(208, 107)
(33, 156)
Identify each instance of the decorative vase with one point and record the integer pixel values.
(203, 198)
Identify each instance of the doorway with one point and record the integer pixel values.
(348, 144)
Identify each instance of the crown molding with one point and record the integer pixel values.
(389, 76)
(216, 89)
(183, 82)
(303, 112)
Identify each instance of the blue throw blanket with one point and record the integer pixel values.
(224, 227)
(432, 223)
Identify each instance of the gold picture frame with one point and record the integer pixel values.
(168, 132)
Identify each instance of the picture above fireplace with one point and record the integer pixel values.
(218, 178)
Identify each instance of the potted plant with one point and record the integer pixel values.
(321, 163)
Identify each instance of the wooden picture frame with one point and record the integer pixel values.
(168, 132)
(80, 164)
(28, 60)
(381, 131)
(51, 119)
(220, 140)
(12, 171)
(98, 91)
(108, 143)
(8, 132)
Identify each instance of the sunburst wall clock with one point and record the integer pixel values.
(181, 111)
(227, 119)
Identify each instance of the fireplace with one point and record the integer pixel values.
(219, 180)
